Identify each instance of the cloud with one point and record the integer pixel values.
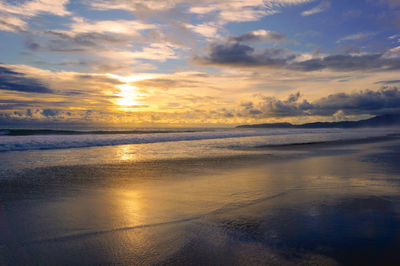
(237, 54)
(69, 41)
(240, 11)
(86, 34)
(367, 62)
(361, 36)
(155, 51)
(259, 36)
(367, 102)
(182, 100)
(16, 81)
(122, 27)
(273, 107)
(388, 82)
(132, 40)
(12, 23)
(241, 55)
(384, 100)
(132, 5)
(166, 83)
(105, 39)
(35, 7)
(240, 15)
(224, 11)
(324, 5)
(208, 30)
(395, 37)
(8, 104)
(98, 79)
(50, 112)
(13, 16)
(393, 53)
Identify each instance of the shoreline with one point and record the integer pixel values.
(270, 153)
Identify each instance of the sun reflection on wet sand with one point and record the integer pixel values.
(127, 153)
(302, 209)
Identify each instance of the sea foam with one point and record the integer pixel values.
(55, 141)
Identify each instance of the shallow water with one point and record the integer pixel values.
(326, 204)
(31, 151)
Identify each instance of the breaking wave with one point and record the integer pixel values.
(19, 140)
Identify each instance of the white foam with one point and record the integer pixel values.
(40, 142)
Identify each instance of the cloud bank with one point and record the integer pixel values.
(243, 55)
(15, 81)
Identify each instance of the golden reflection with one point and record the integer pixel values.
(127, 153)
(127, 206)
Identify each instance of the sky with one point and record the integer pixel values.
(197, 63)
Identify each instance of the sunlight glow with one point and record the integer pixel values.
(128, 96)
(135, 77)
(127, 153)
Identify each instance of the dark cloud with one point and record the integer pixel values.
(385, 100)
(7, 121)
(88, 39)
(228, 114)
(238, 54)
(388, 82)
(248, 109)
(278, 108)
(259, 36)
(8, 104)
(349, 63)
(364, 102)
(293, 97)
(62, 42)
(11, 106)
(50, 112)
(15, 81)
(32, 45)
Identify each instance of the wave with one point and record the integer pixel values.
(358, 140)
(30, 132)
(248, 138)
(55, 141)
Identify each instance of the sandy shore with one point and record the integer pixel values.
(321, 204)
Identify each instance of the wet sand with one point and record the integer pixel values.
(310, 204)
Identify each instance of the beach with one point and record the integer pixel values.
(324, 203)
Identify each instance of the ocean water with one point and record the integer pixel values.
(21, 149)
(204, 197)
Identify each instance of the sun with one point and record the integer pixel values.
(128, 96)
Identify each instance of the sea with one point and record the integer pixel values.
(30, 148)
(190, 196)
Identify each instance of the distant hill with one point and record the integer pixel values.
(377, 121)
